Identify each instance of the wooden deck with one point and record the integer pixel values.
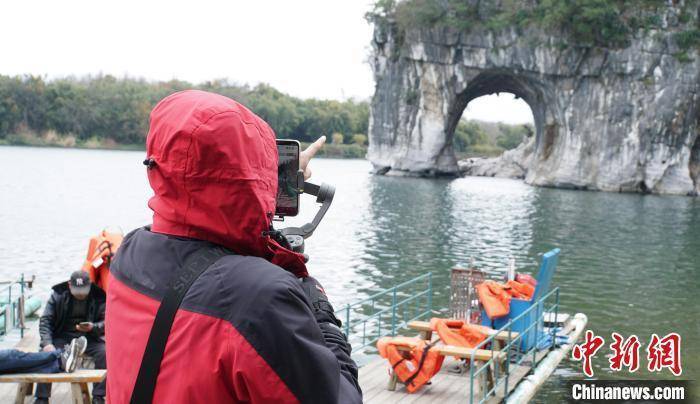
(60, 393)
(445, 387)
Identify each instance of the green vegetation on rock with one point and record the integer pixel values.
(600, 23)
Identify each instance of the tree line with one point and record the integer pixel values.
(479, 138)
(106, 108)
(105, 111)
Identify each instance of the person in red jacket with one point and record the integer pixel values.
(254, 327)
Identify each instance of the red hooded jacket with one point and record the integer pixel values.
(215, 175)
(245, 331)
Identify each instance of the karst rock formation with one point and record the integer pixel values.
(613, 119)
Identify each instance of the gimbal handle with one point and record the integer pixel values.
(324, 195)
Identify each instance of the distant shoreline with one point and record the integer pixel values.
(343, 151)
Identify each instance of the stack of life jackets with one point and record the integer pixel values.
(495, 297)
(100, 252)
(415, 364)
(415, 361)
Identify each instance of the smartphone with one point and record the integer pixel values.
(287, 169)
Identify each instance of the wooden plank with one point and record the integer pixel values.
(466, 353)
(516, 374)
(445, 387)
(79, 376)
(86, 392)
(424, 326)
(22, 390)
(429, 393)
(78, 397)
(373, 378)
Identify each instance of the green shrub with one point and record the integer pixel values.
(359, 139)
(337, 138)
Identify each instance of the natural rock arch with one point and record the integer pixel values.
(523, 86)
(607, 119)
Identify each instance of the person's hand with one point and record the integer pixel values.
(84, 327)
(49, 348)
(306, 155)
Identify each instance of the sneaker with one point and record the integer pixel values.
(81, 342)
(71, 353)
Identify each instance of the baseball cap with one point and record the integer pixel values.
(80, 281)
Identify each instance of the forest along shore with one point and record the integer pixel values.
(105, 112)
(348, 151)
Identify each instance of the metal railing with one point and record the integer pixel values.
(386, 312)
(12, 299)
(525, 349)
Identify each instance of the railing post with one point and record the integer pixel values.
(393, 312)
(556, 315)
(430, 293)
(539, 313)
(347, 322)
(21, 307)
(9, 311)
(509, 345)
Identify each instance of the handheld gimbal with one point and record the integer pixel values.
(294, 237)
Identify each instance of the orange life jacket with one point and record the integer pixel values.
(458, 332)
(526, 278)
(414, 367)
(494, 298)
(99, 257)
(520, 290)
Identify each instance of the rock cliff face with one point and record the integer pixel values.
(606, 119)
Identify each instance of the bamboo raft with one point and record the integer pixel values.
(450, 386)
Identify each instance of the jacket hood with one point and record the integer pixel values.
(214, 175)
(95, 291)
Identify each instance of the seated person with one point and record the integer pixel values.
(75, 309)
(59, 360)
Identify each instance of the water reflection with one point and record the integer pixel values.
(420, 225)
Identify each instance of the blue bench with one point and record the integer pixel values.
(519, 306)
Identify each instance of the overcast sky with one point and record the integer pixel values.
(307, 48)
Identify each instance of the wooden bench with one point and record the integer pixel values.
(480, 356)
(466, 353)
(78, 381)
(427, 333)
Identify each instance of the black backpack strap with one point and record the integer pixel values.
(182, 280)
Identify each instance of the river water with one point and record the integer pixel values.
(630, 262)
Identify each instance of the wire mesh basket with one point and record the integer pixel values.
(464, 303)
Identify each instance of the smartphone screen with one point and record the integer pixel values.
(287, 168)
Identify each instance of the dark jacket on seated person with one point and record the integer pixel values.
(58, 310)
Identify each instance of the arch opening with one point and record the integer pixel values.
(496, 112)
